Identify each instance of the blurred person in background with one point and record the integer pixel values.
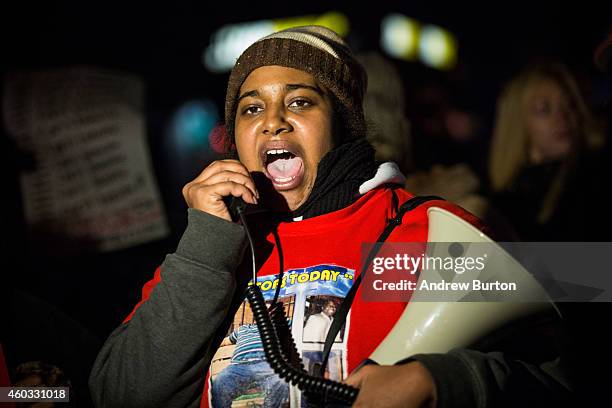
(445, 128)
(390, 133)
(544, 168)
(547, 175)
(384, 105)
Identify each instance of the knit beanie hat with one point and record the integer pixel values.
(318, 51)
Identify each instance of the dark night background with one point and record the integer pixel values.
(163, 43)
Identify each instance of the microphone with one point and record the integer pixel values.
(235, 206)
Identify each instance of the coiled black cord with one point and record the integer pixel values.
(283, 332)
(331, 391)
(282, 359)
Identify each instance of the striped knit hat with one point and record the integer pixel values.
(318, 51)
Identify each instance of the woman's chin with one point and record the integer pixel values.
(285, 201)
(282, 197)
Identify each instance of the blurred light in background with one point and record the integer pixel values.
(437, 48)
(230, 41)
(399, 36)
(405, 38)
(333, 20)
(192, 123)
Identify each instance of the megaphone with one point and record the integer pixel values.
(428, 326)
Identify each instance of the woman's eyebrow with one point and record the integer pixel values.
(293, 87)
(247, 94)
(288, 88)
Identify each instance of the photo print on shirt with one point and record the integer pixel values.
(239, 374)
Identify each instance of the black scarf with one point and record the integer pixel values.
(339, 175)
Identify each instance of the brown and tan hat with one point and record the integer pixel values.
(318, 51)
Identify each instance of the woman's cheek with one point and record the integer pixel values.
(539, 129)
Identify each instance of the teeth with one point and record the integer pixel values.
(281, 180)
(277, 151)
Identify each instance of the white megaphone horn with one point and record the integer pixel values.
(428, 326)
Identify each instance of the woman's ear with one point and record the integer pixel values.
(222, 143)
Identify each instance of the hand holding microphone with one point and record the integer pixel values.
(221, 179)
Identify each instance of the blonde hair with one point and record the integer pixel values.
(510, 143)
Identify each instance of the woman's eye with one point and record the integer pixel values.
(252, 110)
(542, 108)
(300, 103)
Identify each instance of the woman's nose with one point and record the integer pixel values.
(564, 115)
(276, 122)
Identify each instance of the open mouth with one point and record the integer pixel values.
(283, 166)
